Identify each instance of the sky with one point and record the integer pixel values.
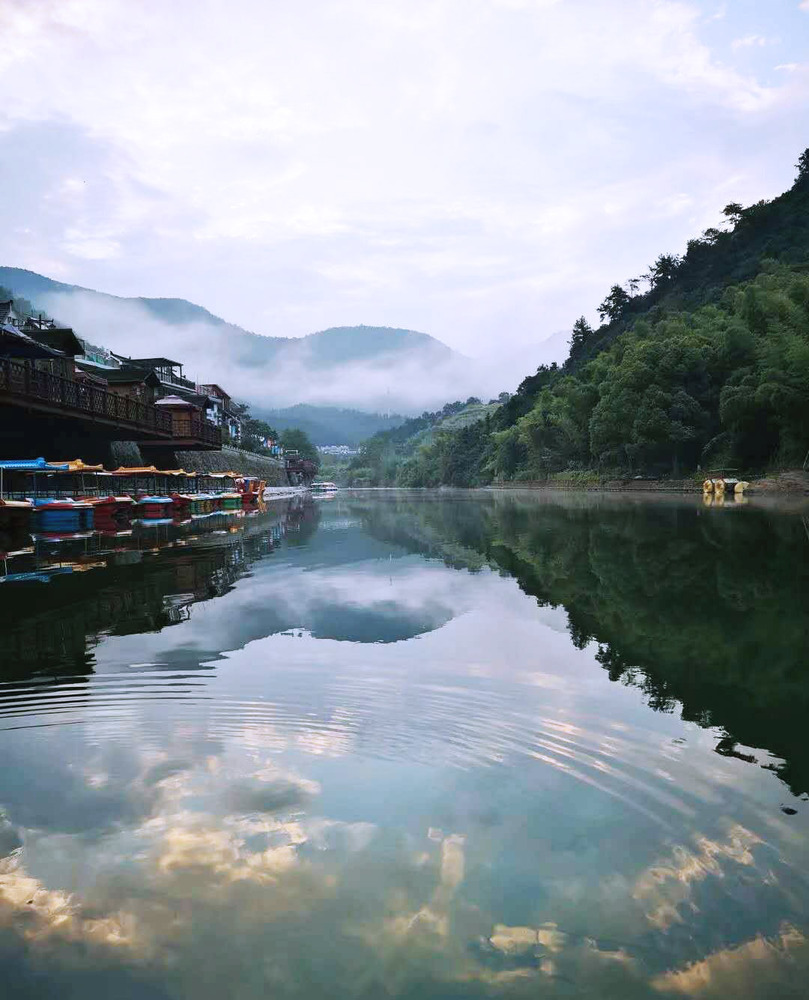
(480, 170)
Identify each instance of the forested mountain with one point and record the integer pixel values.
(701, 362)
(325, 349)
(394, 457)
(330, 424)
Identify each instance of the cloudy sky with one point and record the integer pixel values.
(481, 170)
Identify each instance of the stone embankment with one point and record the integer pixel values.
(270, 469)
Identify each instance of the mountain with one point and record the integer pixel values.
(336, 345)
(708, 368)
(329, 424)
(391, 456)
(373, 367)
(36, 287)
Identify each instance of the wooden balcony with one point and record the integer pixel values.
(86, 409)
(119, 417)
(192, 430)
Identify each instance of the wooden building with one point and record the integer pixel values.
(222, 410)
(134, 383)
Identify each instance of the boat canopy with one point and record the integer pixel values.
(77, 465)
(31, 465)
(133, 470)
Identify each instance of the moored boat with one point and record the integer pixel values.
(251, 489)
(111, 513)
(15, 513)
(62, 515)
(153, 507)
(231, 501)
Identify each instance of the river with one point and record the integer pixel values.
(449, 745)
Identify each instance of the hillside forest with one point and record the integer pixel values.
(700, 363)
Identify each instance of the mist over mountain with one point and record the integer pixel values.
(330, 424)
(371, 368)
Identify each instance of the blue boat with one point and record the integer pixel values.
(62, 515)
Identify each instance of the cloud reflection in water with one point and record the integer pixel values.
(467, 809)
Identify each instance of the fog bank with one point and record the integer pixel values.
(403, 381)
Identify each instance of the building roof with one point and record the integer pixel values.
(59, 338)
(39, 323)
(16, 344)
(130, 375)
(89, 376)
(217, 389)
(151, 362)
(175, 401)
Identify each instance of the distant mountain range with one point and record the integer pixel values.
(335, 346)
(329, 424)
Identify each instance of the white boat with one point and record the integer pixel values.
(282, 492)
(324, 487)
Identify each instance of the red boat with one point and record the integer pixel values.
(111, 513)
(251, 489)
(151, 508)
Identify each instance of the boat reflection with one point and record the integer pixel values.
(142, 580)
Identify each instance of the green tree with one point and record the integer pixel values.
(803, 165)
(254, 433)
(580, 335)
(294, 439)
(614, 305)
(664, 270)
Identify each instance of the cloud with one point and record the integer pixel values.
(739, 971)
(446, 167)
(751, 41)
(665, 889)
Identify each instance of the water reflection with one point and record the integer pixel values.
(686, 604)
(343, 754)
(133, 582)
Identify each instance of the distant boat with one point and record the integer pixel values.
(324, 487)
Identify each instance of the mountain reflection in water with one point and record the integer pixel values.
(450, 745)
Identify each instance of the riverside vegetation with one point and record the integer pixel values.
(703, 362)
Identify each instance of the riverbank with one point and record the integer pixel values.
(247, 463)
(789, 482)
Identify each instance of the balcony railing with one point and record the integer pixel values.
(195, 427)
(81, 398)
(178, 380)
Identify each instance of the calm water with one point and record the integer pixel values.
(410, 746)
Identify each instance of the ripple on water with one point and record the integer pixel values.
(387, 717)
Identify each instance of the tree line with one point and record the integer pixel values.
(703, 362)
